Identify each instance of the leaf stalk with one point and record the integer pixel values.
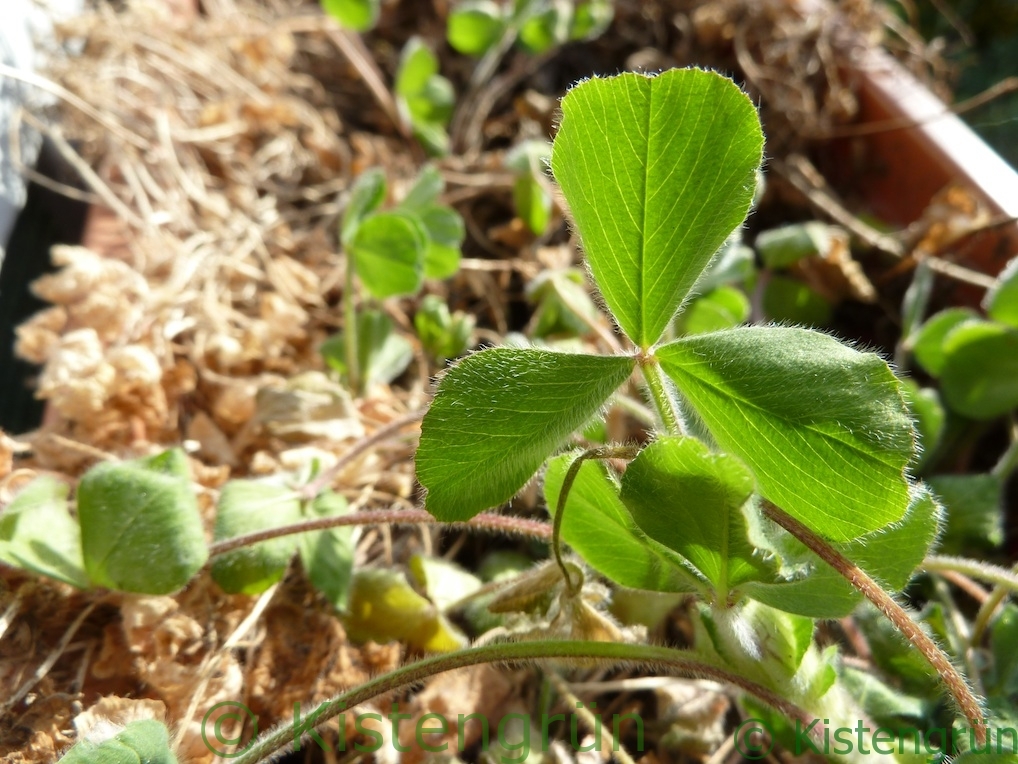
(963, 695)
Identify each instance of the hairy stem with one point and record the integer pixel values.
(482, 522)
(664, 401)
(661, 658)
(982, 571)
(602, 452)
(885, 603)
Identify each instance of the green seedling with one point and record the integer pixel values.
(975, 358)
(564, 307)
(390, 252)
(425, 98)
(477, 27)
(531, 194)
(356, 15)
(443, 335)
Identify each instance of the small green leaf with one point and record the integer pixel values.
(140, 526)
(417, 65)
(385, 608)
(445, 237)
(788, 300)
(980, 374)
(599, 527)
(691, 501)
(144, 741)
(591, 19)
(327, 555)
(564, 307)
(533, 203)
(1001, 301)
(358, 15)
(658, 171)
(500, 413)
(388, 251)
(546, 29)
(735, 263)
(473, 27)
(247, 506)
(425, 96)
(1003, 638)
(881, 703)
(721, 308)
(383, 353)
(425, 190)
(823, 427)
(38, 534)
(781, 247)
(443, 335)
(366, 195)
(531, 198)
(928, 341)
(975, 512)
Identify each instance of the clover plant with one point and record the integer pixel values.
(781, 450)
(424, 96)
(975, 358)
(531, 194)
(390, 252)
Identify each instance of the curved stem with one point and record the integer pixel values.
(664, 401)
(674, 661)
(483, 522)
(895, 613)
(602, 452)
(982, 571)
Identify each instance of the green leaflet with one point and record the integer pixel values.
(145, 741)
(979, 378)
(823, 427)
(658, 171)
(358, 15)
(388, 251)
(474, 26)
(140, 527)
(498, 414)
(928, 340)
(889, 555)
(247, 506)
(38, 534)
(690, 500)
(327, 555)
(599, 527)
